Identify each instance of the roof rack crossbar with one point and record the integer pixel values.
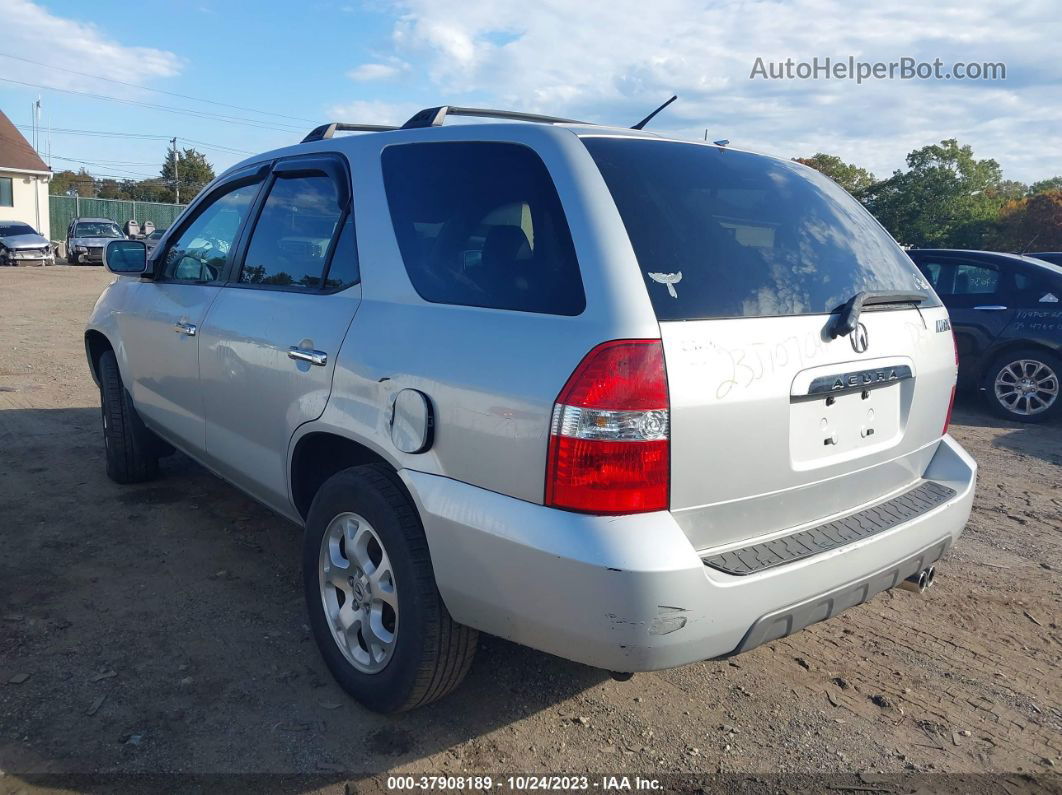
(434, 117)
(326, 131)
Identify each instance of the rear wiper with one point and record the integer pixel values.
(848, 318)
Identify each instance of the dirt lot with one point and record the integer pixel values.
(162, 629)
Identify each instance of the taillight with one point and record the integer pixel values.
(609, 448)
(951, 400)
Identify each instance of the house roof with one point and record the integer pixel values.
(15, 150)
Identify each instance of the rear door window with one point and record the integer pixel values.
(480, 224)
(723, 233)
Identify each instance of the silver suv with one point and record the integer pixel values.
(631, 401)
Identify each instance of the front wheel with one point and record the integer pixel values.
(373, 605)
(132, 450)
(1023, 385)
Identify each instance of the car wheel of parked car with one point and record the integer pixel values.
(1023, 385)
(375, 610)
(132, 450)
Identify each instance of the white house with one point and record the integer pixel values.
(24, 180)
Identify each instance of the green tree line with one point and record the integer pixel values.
(947, 198)
(188, 169)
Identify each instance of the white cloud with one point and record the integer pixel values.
(372, 112)
(31, 31)
(368, 72)
(614, 60)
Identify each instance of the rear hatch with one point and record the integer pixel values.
(778, 420)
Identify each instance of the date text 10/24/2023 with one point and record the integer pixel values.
(525, 783)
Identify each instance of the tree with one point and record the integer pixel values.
(63, 182)
(192, 169)
(1034, 221)
(1045, 185)
(110, 189)
(850, 177)
(946, 198)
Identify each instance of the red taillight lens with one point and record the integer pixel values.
(609, 448)
(951, 405)
(951, 400)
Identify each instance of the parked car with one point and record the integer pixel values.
(20, 244)
(1054, 257)
(1008, 326)
(86, 237)
(152, 240)
(631, 401)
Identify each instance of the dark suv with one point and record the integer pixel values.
(1007, 317)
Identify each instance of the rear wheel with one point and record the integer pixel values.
(1023, 385)
(132, 450)
(376, 613)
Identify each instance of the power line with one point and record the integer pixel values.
(142, 136)
(156, 90)
(185, 111)
(111, 167)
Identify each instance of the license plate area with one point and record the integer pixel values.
(865, 412)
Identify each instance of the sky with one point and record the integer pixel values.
(276, 69)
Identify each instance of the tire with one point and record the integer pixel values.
(1003, 388)
(132, 451)
(429, 653)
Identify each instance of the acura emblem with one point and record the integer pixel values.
(859, 338)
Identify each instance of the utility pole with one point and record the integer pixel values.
(176, 176)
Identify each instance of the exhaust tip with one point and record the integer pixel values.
(931, 575)
(916, 582)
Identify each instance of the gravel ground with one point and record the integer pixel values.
(160, 629)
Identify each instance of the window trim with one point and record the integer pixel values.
(329, 164)
(247, 176)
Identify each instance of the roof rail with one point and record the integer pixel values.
(434, 117)
(326, 131)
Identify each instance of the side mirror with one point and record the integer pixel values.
(125, 256)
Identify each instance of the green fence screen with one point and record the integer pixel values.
(65, 209)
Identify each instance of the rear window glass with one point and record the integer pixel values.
(480, 224)
(723, 233)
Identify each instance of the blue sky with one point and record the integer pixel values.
(609, 61)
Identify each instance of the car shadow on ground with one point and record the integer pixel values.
(1041, 440)
(161, 627)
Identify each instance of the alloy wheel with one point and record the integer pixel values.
(359, 592)
(1026, 387)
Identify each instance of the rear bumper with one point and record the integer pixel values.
(631, 593)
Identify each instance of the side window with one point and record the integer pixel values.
(199, 253)
(974, 279)
(343, 270)
(480, 224)
(932, 271)
(292, 237)
(1032, 288)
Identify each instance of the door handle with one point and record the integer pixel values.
(319, 358)
(990, 308)
(186, 328)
